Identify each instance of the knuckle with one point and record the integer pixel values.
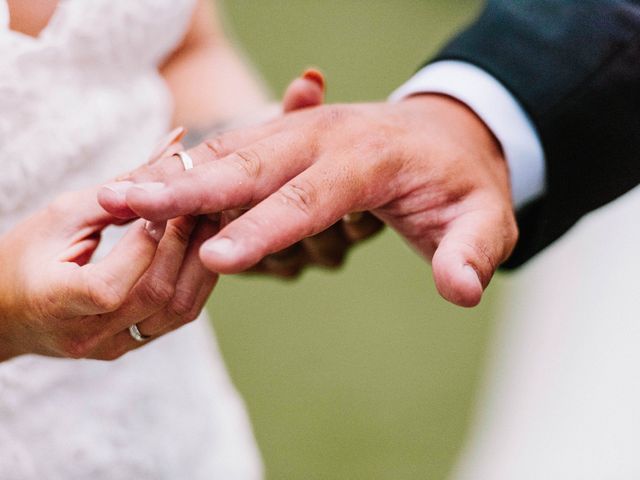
(77, 347)
(333, 115)
(215, 146)
(103, 292)
(249, 162)
(181, 229)
(157, 291)
(379, 141)
(300, 195)
(182, 306)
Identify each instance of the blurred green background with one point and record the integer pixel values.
(364, 373)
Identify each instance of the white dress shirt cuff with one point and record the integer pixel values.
(499, 110)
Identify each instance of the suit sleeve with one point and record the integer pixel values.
(575, 68)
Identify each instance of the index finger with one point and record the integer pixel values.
(241, 179)
(112, 196)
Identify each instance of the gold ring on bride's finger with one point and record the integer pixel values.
(134, 331)
(185, 158)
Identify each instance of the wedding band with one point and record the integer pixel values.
(186, 160)
(134, 331)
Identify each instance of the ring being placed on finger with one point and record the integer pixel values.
(134, 331)
(186, 160)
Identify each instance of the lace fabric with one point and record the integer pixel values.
(73, 92)
(79, 104)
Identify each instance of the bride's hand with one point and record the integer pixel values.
(54, 303)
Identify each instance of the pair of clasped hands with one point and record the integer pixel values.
(269, 198)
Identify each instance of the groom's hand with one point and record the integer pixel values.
(427, 166)
(327, 248)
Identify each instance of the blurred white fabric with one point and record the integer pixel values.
(80, 104)
(4, 14)
(563, 388)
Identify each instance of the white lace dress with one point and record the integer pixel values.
(80, 104)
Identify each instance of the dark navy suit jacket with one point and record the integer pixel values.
(574, 65)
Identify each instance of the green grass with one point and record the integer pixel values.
(362, 373)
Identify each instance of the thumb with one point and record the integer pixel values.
(470, 253)
(305, 91)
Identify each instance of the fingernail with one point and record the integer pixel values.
(224, 247)
(119, 188)
(314, 75)
(155, 229)
(150, 187)
(169, 139)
